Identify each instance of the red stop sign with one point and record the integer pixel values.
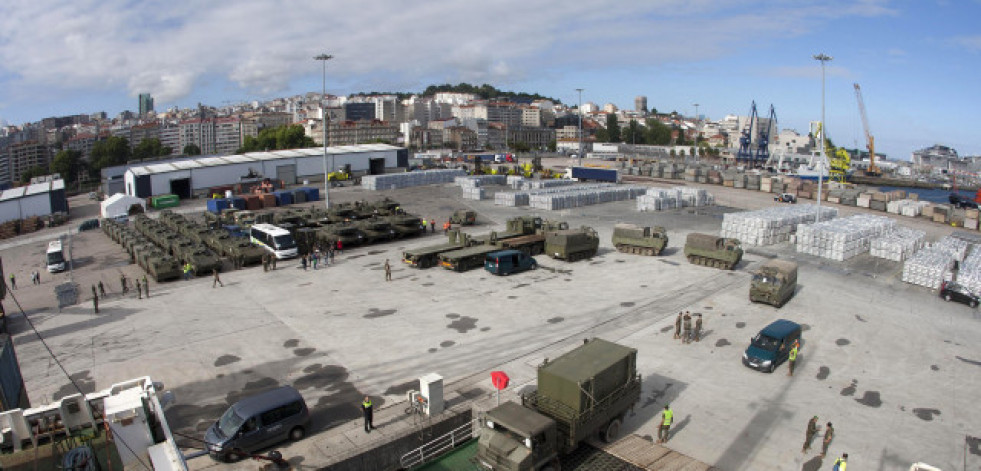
(500, 379)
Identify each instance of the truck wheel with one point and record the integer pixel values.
(612, 431)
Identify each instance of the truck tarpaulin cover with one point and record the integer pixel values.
(500, 379)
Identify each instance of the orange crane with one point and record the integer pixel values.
(873, 170)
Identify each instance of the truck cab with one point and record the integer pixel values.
(514, 438)
(506, 262)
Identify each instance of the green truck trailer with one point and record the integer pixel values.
(713, 251)
(774, 283)
(584, 392)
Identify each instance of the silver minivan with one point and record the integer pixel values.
(257, 422)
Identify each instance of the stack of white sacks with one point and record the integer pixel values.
(392, 181)
(957, 248)
(969, 272)
(472, 186)
(898, 245)
(909, 208)
(659, 199)
(928, 267)
(771, 225)
(523, 198)
(842, 239)
(575, 197)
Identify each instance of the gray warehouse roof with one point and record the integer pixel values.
(212, 161)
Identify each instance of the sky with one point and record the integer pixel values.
(917, 61)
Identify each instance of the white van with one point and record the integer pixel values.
(55, 257)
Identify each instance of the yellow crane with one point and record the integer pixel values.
(873, 170)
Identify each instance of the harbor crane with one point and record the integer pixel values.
(873, 170)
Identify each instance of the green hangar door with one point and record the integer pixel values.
(286, 173)
(376, 166)
(181, 187)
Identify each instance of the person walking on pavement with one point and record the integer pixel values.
(272, 258)
(698, 327)
(139, 289)
(13, 281)
(265, 263)
(388, 271)
(829, 434)
(122, 281)
(432, 226)
(677, 326)
(303, 261)
(424, 224)
(841, 463)
(446, 227)
(792, 359)
(217, 280)
(95, 303)
(340, 247)
(94, 294)
(667, 416)
(687, 337)
(315, 258)
(809, 436)
(102, 290)
(146, 287)
(366, 410)
(330, 251)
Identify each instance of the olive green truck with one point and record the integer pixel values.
(774, 283)
(713, 251)
(583, 393)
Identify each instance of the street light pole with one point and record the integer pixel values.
(824, 129)
(580, 125)
(324, 58)
(696, 132)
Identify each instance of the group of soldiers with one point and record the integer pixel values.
(268, 262)
(141, 289)
(829, 435)
(684, 319)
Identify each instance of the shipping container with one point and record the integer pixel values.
(165, 201)
(217, 205)
(238, 202)
(253, 203)
(283, 198)
(268, 201)
(299, 196)
(13, 395)
(597, 174)
(313, 194)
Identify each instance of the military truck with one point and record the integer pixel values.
(572, 244)
(425, 257)
(774, 283)
(583, 392)
(713, 251)
(202, 259)
(640, 240)
(464, 217)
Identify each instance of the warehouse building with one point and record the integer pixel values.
(37, 199)
(185, 178)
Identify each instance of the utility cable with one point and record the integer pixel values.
(65, 371)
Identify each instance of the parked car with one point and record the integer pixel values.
(951, 291)
(257, 422)
(785, 198)
(506, 262)
(771, 347)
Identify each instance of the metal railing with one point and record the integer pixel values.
(438, 446)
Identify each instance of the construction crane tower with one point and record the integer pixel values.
(873, 170)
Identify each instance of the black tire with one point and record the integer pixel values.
(773, 366)
(232, 457)
(973, 303)
(297, 433)
(612, 431)
(947, 297)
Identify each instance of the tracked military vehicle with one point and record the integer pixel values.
(202, 259)
(464, 217)
(406, 225)
(572, 245)
(713, 251)
(347, 233)
(376, 230)
(774, 283)
(639, 240)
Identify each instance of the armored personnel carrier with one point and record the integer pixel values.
(774, 283)
(464, 217)
(202, 259)
(572, 244)
(639, 240)
(160, 266)
(713, 251)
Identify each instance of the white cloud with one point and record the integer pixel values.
(971, 43)
(169, 48)
(810, 71)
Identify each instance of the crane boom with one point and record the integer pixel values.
(869, 139)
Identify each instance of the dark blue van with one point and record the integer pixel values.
(506, 262)
(257, 422)
(769, 348)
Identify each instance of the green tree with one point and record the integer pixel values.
(612, 128)
(192, 149)
(658, 133)
(632, 134)
(67, 163)
(110, 152)
(281, 137)
(602, 135)
(32, 172)
(520, 147)
(150, 148)
(552, 145)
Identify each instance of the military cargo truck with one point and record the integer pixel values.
(640, 240)
(713, 251)
(572, 244)
(774, 283)
(583, 392)
(425, 257)
(464, 217)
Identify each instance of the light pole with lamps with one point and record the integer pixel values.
(696, 132)
(580, 124)
(324, 58)
(824, 129)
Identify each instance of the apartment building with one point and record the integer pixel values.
(460, 138)
(169, 135)
(228, 135)
(142, 132)
(23, 156)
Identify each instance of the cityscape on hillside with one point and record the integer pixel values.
(436, 123)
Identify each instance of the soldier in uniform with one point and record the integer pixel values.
(217, 280)
(388, 271)
(811, 431)
(687, 337)
(698, 327)
(95, 303)
(829, 434)
(139, 289)
(102, 290)
(677, 326)
(265, 263)
(146, 287)
(272, 258)
(94, 295)
(122, 281)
